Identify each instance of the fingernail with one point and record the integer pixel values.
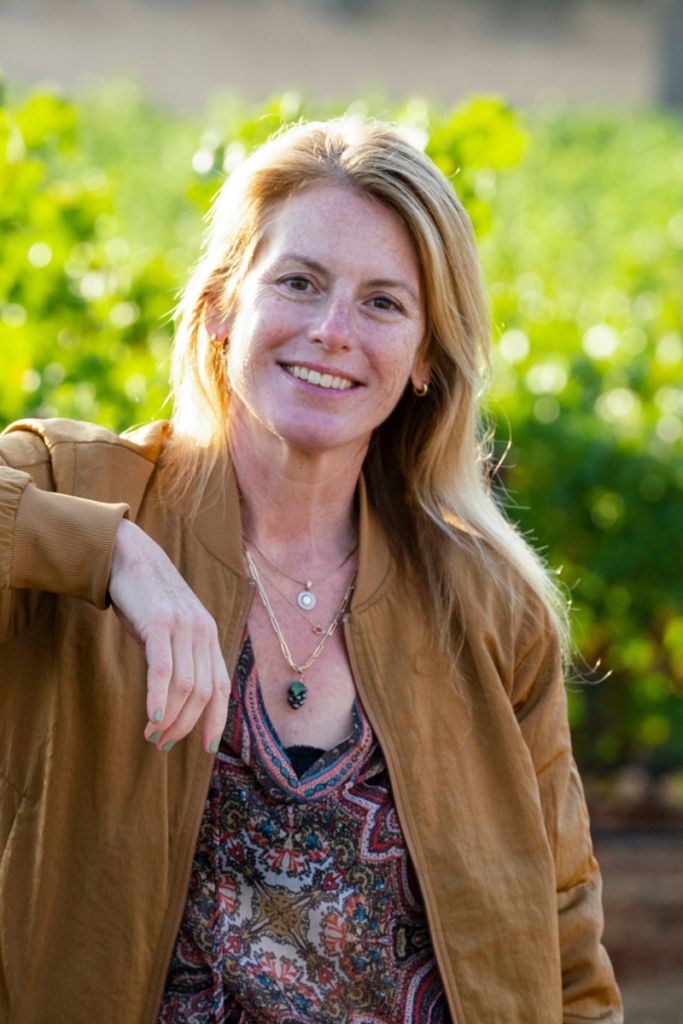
(158, 715)
(214, 745)
(168, 746)
(154, 738)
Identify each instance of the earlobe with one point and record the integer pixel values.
(221, 340)
(420, 379)
(217, 326)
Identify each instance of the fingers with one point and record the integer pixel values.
(217, 709)
(196, 686)
(186, 675)
(159, 672)
(189, 692)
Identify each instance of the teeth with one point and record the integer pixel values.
(323, 380)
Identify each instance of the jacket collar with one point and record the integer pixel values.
(218, 524)
(374, 557)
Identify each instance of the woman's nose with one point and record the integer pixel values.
(333, 327)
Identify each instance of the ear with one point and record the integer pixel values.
(421, 371)
(216, 323)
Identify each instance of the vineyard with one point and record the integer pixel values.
(580, 223)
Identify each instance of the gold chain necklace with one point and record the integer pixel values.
(305, 599)
(316, 628)
(297, 691)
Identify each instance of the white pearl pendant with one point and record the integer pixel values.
(306, 600)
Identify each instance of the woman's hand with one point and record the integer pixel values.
(186, 674)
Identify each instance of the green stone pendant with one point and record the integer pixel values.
(296, 694)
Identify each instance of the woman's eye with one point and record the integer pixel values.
(297, 284)
(384, 303)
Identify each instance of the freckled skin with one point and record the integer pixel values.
(335, 287)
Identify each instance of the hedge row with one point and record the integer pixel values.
(580, 221)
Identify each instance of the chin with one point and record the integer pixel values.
(318, 441)
(312, 445)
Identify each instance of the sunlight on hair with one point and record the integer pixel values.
(429, 466)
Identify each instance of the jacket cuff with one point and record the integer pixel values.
(64, 545)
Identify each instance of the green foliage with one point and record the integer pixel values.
(580, 221)
(82, 309)
(585, 269)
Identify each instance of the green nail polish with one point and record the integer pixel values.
(158, 715)
(154, 738)
(168, 746)
(214, 745)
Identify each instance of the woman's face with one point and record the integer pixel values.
(329, 322)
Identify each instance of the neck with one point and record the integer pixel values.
(295, 504)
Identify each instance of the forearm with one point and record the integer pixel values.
(63, 544)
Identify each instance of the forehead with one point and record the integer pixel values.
(330, 222)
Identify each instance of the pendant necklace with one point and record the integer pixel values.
(305, 599)
(297, 691)
(315, 627)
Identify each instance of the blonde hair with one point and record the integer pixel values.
(427, 466)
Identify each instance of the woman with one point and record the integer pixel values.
(309, 581)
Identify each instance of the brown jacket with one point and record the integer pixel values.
(97, 829)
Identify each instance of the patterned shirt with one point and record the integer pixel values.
(303, 906)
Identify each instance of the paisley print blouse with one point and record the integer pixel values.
(303, 905)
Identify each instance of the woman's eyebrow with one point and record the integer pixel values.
(393, 283)
(295, 257)
(375, 282)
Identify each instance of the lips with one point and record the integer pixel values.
(329, 381)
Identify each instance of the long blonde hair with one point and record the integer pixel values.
(427, 468)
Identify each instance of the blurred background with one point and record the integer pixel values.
(560, 123)
(536, 52)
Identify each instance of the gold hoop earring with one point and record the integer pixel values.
(422, 390)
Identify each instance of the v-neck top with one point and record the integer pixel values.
(303, 905)
(302, 758)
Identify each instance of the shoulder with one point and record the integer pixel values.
(486, 575)
(497, 601)
(84, 458)
(39, 438)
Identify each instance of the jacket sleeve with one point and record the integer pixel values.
(589, 989)
(49, 541)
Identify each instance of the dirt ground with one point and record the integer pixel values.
(643, 897)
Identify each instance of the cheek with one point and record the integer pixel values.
(393, 385)
(243, 348)
(241, 363)
(235, 370)
(395, 367)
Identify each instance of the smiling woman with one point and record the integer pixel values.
(305, 576)
(344, 305)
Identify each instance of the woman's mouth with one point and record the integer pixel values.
(331, 381)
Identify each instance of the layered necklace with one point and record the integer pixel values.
(306, 598)
(297, 691)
